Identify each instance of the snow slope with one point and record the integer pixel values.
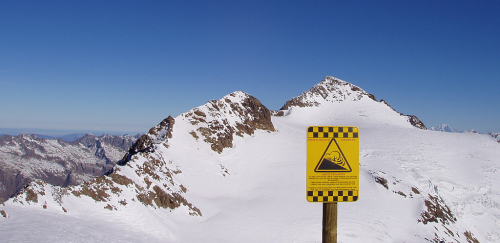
(415, 185)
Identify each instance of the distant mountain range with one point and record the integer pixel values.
(66, 137)
(448, 128)
(25, 158)
(444, 128)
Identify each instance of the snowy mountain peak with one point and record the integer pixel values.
(237, 96)
(330, 89)
(333, 90)
(444, 128)
(217, 121)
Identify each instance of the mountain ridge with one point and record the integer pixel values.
(330, 89)
(220, 133)
(222, 168)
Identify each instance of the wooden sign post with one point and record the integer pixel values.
(332, 171)
(329, 223)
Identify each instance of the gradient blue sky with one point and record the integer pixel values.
(122, 66)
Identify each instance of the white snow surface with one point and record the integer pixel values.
(256, 190)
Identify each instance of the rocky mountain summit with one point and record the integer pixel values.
(333, 90)
(329, 90)
(24, 158)
(216, 123)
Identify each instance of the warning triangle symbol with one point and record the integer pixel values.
(333, 160)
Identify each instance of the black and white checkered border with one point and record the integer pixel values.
(332, 132)
(332, 196)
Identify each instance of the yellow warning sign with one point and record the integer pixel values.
(332, 164)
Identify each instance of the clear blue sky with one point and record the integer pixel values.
(123, 66)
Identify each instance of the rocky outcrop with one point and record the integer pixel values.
(159, 133)
(496, 136)
(331, 90)
(235, 114)
(414, 121)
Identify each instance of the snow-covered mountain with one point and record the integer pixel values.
(448, 128)
(233, 171)
(444, 128)
(24, 158)
(334, 90)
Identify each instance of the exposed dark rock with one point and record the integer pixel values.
(278, 113)
(249, 115)
(400, 193)
(381, 181)
(495, 136)
(470, 237)
(415, 190)
(413, 120)
(3, 213)
(162, 199)
(145, 143)
(437, 212)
